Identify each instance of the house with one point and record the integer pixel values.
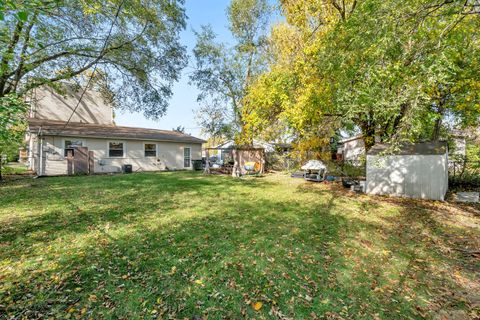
(459, 138)
(414, 170)
(351, 149)
(91, 142)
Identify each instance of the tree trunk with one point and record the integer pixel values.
(368, 131)
(7, 55)
(438, 122)
(436, 129)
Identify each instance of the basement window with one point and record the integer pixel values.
(115, 149)
(150, 150)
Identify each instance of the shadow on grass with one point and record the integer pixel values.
(163, 246)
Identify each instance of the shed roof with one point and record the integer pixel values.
(423, 148)
(75, 129)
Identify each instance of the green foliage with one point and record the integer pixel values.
(134, 44)
(12, 126)
(389, 68)
(222, 73)
(12, 123)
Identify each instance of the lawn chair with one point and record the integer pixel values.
(252, 168)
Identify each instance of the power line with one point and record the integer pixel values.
(95, 65)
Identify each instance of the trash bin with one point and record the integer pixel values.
(197, 164)
(127, 168)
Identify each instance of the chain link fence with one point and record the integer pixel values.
(464, 173)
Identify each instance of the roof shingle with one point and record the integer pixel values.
(75, 129)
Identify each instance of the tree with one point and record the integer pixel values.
(12, 125)
(223, 73)
(134, 46)
(382, 67)
(180, 129)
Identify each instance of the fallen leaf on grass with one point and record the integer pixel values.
(257, 305)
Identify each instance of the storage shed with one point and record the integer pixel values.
(415, 170)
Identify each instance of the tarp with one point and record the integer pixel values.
(314, 165)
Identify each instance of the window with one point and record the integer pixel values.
(186, 157)
(150, 150)
(71, 145)
(115, 149)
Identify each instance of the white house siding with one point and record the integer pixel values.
(460, 146)
(415, 176)
(353, 150)
(169, 155)
(50, 105)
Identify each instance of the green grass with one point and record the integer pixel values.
(14, 169)
(183, 245)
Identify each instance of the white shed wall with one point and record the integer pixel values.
(414, 176)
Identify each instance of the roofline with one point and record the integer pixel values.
(199, 141)
(41, 122)
(351, 138)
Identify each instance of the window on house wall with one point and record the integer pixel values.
(150, 150)
(186, 157)
(115, 149)
(71, 145)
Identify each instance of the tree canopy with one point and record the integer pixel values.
(398, 70)
(134, 44)
(223, 73)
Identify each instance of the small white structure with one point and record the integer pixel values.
(416, 171)
(352, 149)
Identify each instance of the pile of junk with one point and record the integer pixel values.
(316, 171)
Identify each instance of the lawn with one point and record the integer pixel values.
(183, 245)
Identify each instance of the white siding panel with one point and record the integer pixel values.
(415, 176)
(169, 156)
(354, 150)
(51, 105)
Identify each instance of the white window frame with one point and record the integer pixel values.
(156, 150)
(84, 143)
(189, 157)
(116, 141)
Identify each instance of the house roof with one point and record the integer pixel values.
(257, 144)
(357, 137)
(76, 129)
(423, 148)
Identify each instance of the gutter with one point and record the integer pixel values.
(40, 152)
(199, 141)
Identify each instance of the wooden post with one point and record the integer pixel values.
(70, 162)
(236, 172)
(207, 160)
(91, 163)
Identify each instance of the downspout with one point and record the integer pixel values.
(40, 152)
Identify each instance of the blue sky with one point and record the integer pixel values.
(183, 103)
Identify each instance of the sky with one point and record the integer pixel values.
(183, 104)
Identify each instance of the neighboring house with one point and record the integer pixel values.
(459, 138)
(92, 143)
(351, 149)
